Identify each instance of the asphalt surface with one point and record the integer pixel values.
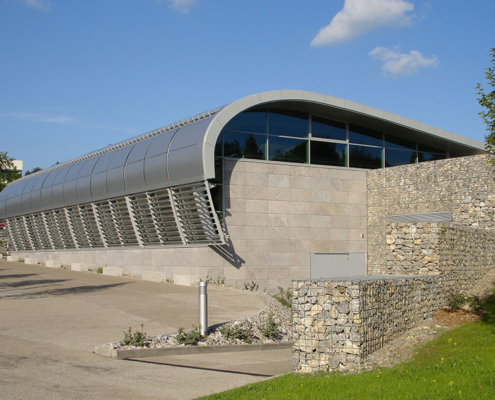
(51, 319)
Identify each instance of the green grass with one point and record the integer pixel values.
(459, 364)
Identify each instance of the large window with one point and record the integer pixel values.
(394, 157)
(248, 121)
(361, 135)
(289, 150)
(244, 145)
(288, 123)
(327, 129)
(365, 157)
(298, 137)
(328, 153)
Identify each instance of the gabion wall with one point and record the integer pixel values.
(464, 186)
(337, 324)
(463, 255)
(466, 255)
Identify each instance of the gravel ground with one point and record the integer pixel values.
(245, 331)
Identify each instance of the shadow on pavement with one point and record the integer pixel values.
(201, 368)
(37, 282)
(61, 292)
(14, 276)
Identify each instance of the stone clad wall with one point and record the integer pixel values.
(465, 186)
(276, 215)
(337, 324)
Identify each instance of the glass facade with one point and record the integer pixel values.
(299, 137)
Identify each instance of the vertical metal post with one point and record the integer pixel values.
(203, 308)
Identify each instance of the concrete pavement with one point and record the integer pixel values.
(51, 319)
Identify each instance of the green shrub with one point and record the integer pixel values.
(475, 303)
(456, 300)
(191, 337)
(137, 338)
(239, 332)
(271, 330)
(284, 296)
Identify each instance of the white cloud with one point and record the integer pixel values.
(359, 17)
(184, 6)
(43, 5)
(397, 64)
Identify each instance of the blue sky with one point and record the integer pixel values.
(77, 75)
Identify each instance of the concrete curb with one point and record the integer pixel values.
(183, 350)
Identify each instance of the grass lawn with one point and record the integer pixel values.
(459, 364)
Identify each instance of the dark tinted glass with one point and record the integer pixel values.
(218, 171)
(423, 156)
(244, 145)
(288, 123)
(218, 145)
(248, 121)
(324, 153)
(365, 157)
(324, 128)
(399, 143)
(216, 196)
(285, 149)
(399, 157)
(360, 135)
(429, 149)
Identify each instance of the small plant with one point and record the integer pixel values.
(284, 296)
(251, 286)
(239, 332)
(475, 303)
(137, 338)
(99, 270)
(456, 300)
(191, 337)
(459, 301)
(219, 281)
(271, 329)
(21, 260)
(207, 280)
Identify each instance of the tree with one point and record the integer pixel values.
(8, 171)
(487, 101)
(33, 171)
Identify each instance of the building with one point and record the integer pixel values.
(269, 188)
(17, 168)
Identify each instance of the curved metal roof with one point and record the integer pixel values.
(183, 153)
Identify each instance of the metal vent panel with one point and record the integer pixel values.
(182, 216)
(437, 216)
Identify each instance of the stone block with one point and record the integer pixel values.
(30, 260)
(186, 280)
(52, 264)
(154, 276)
(80, 267)
(113, 271)
(9, 258)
